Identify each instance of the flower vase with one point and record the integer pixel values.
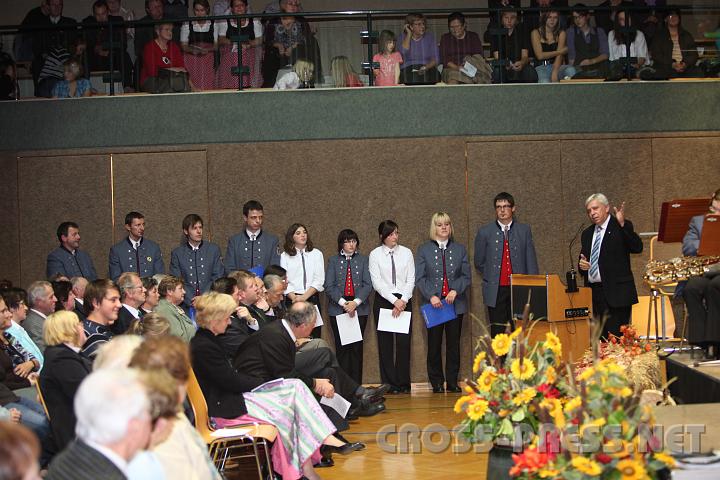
(500, 462)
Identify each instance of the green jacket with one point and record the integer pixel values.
(180, 324)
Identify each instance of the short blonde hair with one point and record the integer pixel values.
(304, 69)
(117, 353)
(213, 306)
(439, 217)
(150, 325)
(61, 327)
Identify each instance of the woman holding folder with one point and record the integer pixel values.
(392, 271)
(347, 287)
(443, 276)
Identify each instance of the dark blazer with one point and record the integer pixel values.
(270, 354)
(241, 255)
(63, 262)
(59, 381)
(429, 273)
(80, 310)
(614, 262)
(237, 332)
(82, 462)
(221, 383)
(122, 259)
(662, 46)
(335, 282)
(123, 322)
(198, 268)
(691, 240)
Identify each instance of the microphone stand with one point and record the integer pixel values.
(571, 275)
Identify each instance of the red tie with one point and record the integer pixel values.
(349, 287)
(445, 287)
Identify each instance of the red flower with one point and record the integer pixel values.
(549, 391)
(603, 458)
(529, 461)
(493, 403)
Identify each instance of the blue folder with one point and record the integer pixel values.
(259, 271)
(437, 316)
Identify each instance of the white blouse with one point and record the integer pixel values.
(381, 272)
(185, 30)
(314, 270)
(638, 48)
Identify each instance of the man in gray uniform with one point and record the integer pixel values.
(135, 253)
(68, 259)
(252, 247)
(503, 247)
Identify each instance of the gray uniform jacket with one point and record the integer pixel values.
(429, 272)
(198, 268)
(691, 240)
(488, 255)
(62, 261)
(242, 255)
(123, 258)
(335, 276)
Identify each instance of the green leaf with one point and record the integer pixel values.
(506, 428)
(518, 415)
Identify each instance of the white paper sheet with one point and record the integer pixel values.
(388, 323)
(349, 329)
(318, 318)
(229, 432)
(337, 403)
(469, 69)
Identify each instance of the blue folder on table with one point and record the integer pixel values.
(259, 271)
(437, 316)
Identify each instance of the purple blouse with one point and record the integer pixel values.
(420, 52)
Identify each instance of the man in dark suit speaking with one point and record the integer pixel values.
(605, 262)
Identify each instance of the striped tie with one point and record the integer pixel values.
(595, 252)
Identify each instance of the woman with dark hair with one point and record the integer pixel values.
(199, 41)
(673, 48)
(617, 47)
(549, 45)
(19, 452)
(64, 294)
(152, 297)
(392, 271)
(305, 267)
(348, 286)
(251, 48)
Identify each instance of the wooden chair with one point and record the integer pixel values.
(224, 444)
(36, 382)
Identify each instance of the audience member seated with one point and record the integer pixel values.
(102, 304)
(145, 34)
(116, 9)
(389, 60)
(242, 324)
(74, 84)
(64, 295)
(549, 46)
(673, 50)
(231, 402)
(587, 46)
(262, 303)
(117, 352)
(275, 287)
(288, 39)
(152, 297)
(512, 53)
(96, 31)
(8, 78)
(150, 325)
(650, 20)
(113, 424)
(606, 12)
(247, 295)
(617, 46)
(533, 20)
(23, 42)
(163, 68)
(68, 259)
(251, 48)
(19, 451)
(172, 293)
(44, 42)
(460, 46)
(66, 368)
(221, 7)
(132, 296)
(41, 301)
(199, 42)
(496, 16)
(343, 73)
(420, 52)
(277, 6)
(301, 76)
(78, 287)
(182, 453)
(16, 301)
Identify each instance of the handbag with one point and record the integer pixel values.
(172, 81)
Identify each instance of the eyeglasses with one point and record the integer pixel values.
(502, 207)
(351, 240)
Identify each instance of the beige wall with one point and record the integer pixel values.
(330, 185)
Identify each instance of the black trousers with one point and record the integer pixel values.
(501, 314)
(616, 316)
(452, 330)
(702, 298)
(350, 357)
(393, 349)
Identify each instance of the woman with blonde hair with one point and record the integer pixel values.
(300, 77)
(117, 352)
(64, 370)
(150, 325)
(442, 275)
(343, 73)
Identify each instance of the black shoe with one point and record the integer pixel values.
(345, 449)
(393, 390)
(352, 415)
(438, 389)
(453, 389)
(325, 461)
(374, 392)
(371, 409)
(404, 389)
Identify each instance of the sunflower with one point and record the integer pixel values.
(548, 473)
(501, 344)
(516, 333)
(477, 409)
(586, 374)
(595, 424)
(586, 466)
(478, 360)
(524, 397)
(486, 380)
(524, 371)
(620, 392)
(554, 408)
(631, 470)
(551, 374)
(552, 343)
(665, 458)
(461, 402)
(572, 404)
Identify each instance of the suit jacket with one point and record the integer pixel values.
(63, 262)
(614, 262)
(59, 382)
(123, 258)
(79, 461)
(80, 310)
(198, 268)
(33, 325)
(241, 255)
(235, 334)
(488, 255)
(222, 384)
(335, 277)
(429, 272)
(691, 240)
(662, 46)
(123, 322)
(180, 324)
(270, 354)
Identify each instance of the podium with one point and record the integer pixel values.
(565, 314)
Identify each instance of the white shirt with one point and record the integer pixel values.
(116, 459)
(221, 27)
(289, 81)
(185, 30)
(503, 227)
(135, 243)
(39, 313)
(289, 330)
(250, 234)
(80, 301)
(314, 271)
(381, 272)
(135, 312)
(603, 229)
(638, 48)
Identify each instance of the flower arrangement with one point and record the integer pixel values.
(513, 380)
(599, 431)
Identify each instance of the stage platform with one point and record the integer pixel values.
(693, 384)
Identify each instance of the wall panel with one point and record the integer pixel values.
(10, 258)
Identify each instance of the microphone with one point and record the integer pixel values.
(571, 275)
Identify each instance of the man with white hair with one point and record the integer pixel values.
(105, 442)
(605, 263)
(41, 300)
(78, 288)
